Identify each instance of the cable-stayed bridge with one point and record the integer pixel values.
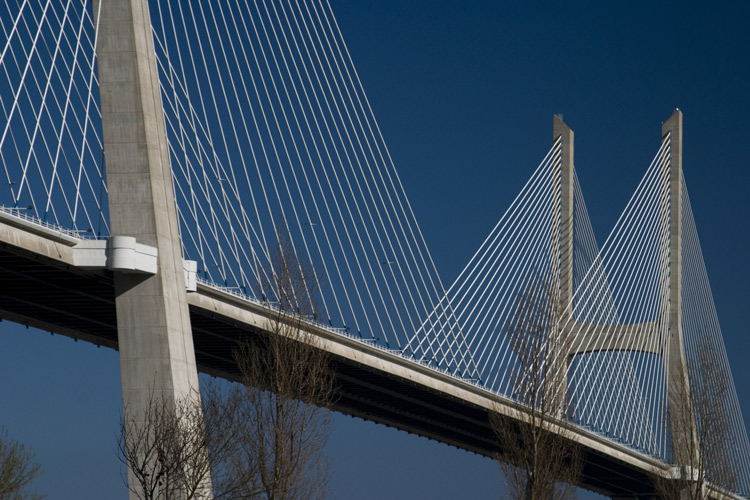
(152, 163)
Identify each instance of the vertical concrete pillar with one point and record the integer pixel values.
(153, 323)
(562, 132)
(559, 128)
(684, 434)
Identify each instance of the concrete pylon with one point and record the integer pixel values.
(684, 435)
(157, 358)
(560, 129)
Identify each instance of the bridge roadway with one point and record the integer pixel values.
(41, 286)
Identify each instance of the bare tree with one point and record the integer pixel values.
(171, 447)
(539, 458)
(17, 470)
(703, 459)
(287, 384)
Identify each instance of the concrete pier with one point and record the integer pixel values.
(684, 434)
(157, 358)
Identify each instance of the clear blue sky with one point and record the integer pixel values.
(465, 92)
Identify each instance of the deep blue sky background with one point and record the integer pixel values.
(465, 92)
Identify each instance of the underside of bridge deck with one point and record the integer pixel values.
(52, 296)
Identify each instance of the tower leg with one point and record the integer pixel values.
(560, 129)
(157, 360)
(685, 447)
(562, 132)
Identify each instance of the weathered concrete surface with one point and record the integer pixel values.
(684, 434)
(560, 129)
(153, 323)
(600, 338)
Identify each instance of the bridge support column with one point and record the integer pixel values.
(684, 435)
(157, 359)
(564, 307)
(560, 129)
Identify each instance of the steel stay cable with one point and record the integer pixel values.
(324, 198)
(458, 303)
(634, 267)
(328, 63)
(348, 210)
(233, 185)
(219, 174)
(401, 191)
(274, 84)
(547, 274)
(23, 77)
(212, 221)
(612, 243)
(45, 106)
(492, 249)
(330, 89)
(330, 186)
(284, 145)
(21, 86)
(191, 201)
(317, 210)
(618, 242)
(222, 176)
(174, 79)
(718, 346)
(588, 329)
(653, 388)
(738, 427)
(631, 331)
(520, 211)
(286, 17)
(497, 230)
(37, 124)
(459, 300)
(8, 117)
(641, 320)
(351, 245)
(84, 134)
(64, 127)
(536, 257)
(89, 100)
(620, 291)
(208, 188)
(201, 234)
(367, 232)
(511, 273)
(583, 233)
(514, 272)
(603, 255)
(438, 295)
(212, 228)
(57, 154)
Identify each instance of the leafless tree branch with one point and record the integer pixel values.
(17, 470)
(705, 459)
(287, 384)
(539, 457)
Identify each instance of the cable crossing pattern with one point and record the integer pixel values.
(51, 144)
